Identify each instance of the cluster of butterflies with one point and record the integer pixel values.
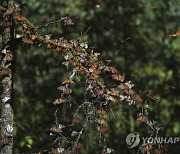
(90, 65)
(95, 70)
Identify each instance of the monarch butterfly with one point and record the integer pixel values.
(98, 91)
(118, 77)
(129, 91)
(62, 88)
(49, 45)
(112, 99)
(74, 61)
(159, 151)
(6, 24)
(5, 140)
(94, 65)
(59, 48)
(69, 22)
(80, 69)
(9, 57)
(129, 84)
(68, 91)
(77, 145)
(33, 36)
(102, 130)
(69, 151)
(101, 111)
(107, 151)
(59, 101)
(152, 6)
(169, 88)
(93, 76)
(147, 95)
(77, 52)
(96, 71)
(123, 86)
(100, 121)
(114, 92)
(76, 120)
(20, 18)
(1, 8)
(148, 147)
(101, 84)
(136, 98)
(56, 129)
(67, 81)
(175, 34)
(5, 71)
(27, 40)
(111, 69)
(142, 118)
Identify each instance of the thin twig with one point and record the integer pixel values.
(52, 22)
(114, 115)
(82, 34)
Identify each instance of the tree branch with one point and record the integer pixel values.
(6, 82)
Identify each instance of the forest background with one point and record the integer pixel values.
(135, 35)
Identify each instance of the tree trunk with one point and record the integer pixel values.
(6, 80)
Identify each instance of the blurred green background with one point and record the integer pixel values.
(133, 34)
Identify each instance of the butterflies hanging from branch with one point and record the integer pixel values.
(175, 34)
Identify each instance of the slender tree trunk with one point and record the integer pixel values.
(6, 82)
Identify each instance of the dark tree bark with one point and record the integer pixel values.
(6, 82)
